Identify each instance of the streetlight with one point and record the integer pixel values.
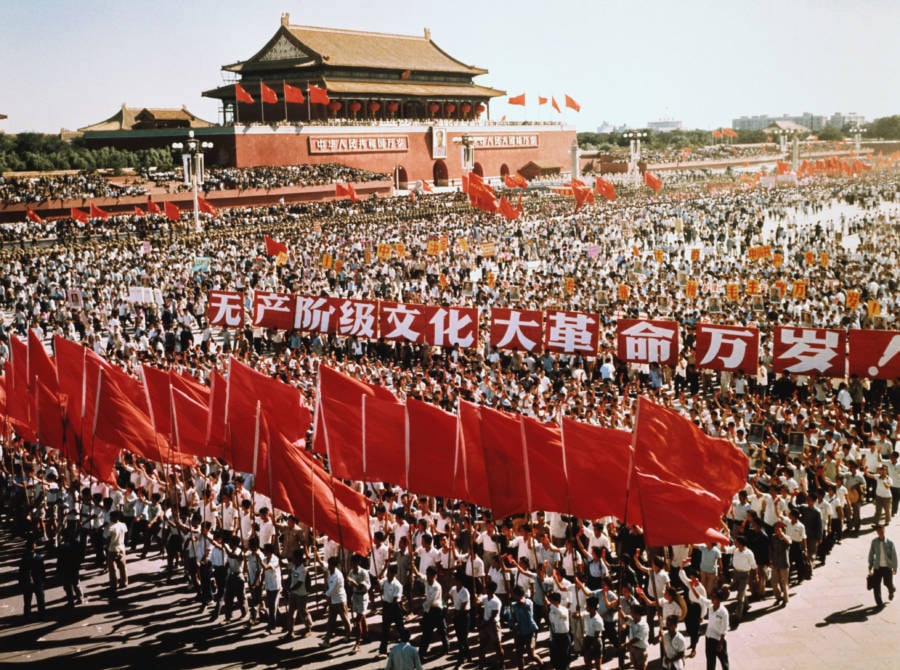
(192, 163)
(857, 131)
(794, 136)
(634, 138)
(468, 151)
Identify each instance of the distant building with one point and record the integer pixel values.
(813, 122)
(664, 125)
(147, 118)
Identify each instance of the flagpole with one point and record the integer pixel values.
(262, 104)
(308, 109)
(284, 100)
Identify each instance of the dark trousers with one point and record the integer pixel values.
(36, 591)
(883, 575)
(234, 593)
(559, 651)
(692, 623)
(716, 649)
(431, 622)
(391, 615)
(461, 628)
(271, 608)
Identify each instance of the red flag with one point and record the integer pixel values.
(717, 134)
(273, 247)
(430, 449)
(548, 487)
(206, 206)
(20, 401)
(318, 499)
(341, 190)
(267, 94)
(582, 193)
(515, 181)
(653, 182)
(471, 476)
(605, 188)
(241, 94)
(505, 462)
(554, 104)
(118, 421)
(190, 387)
(40, 364)
(427, 187)
(517, 100)
(597, 461)
(675, 514)
(728, 132)
(464, 182)
(189, 425)
(781, 167)
(78, 215)
(49, 416)
(384, 437)
(172, 211)
(669, 446)
(542, 101)
(152, 207)
(318, 96)
(159, 401)
(293, 94)
(138, 211)
(215, 421)
(97, 213)
(505, 208)
(571, 104)
(31, 215)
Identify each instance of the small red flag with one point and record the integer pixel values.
(273, 247)
(241, 94)
(172, 211)
(515, 181)
(427, 187)
(517, 100)
(652, 181)
(507, 210)
(571, 104)
(293, 94)
(206, 206)
(139, 212)
(152, 207)
(555, 105)
(97, 213)
(79, 215)
(31, 215)
(542, 101)
(347, 189)
(605, 188)
(318, 95)
(267, 94)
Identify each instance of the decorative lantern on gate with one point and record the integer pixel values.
(465, 108)
(355, 106)
(334, 106)
(480, 109)
(374, 107)
(393, 107)
(433, 108)
(450, 108)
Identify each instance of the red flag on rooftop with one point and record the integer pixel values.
(517, 100)
(274, 247)
(33, 216)
(571, 104)
(206, 206)
(267, 94)
(241, 94)
(79, 215)
(555, 104)
(293, 94)
(172, 211)
(152, 207)
(318, 95)
(542, 100)
(653, 182)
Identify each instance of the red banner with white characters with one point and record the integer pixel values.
(225, 309)
(875, 354)
(517, 329)
(273, 310)
(727, 347)
(647, 341)
(812, 351)
(572, 332)
(441, 326)
(355, 317)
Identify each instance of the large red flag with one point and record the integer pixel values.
(517, 100)
(675, 514)
(515, 181)
(241, 94)
(49, 418)
(190, 387)
(78, 215)
(20, 401)
(471, 474)
(605, 188)
(582, 193)
(293, 94)
(597, 462)
(548, 487)
(384, 438)
(431, 449)
(342, 190)
(318, 95)
(505, 462)
(672, 448)
(571, 104)
(159, 402)
(206, 206)
(97, 213)
(189, 425)
(152, 207)
(267, 94)
(40, 364)
(273, 247)
(32, 216)
(505, 208)
(653, 182)
(119, 421)
(173, 213)
(215, 421)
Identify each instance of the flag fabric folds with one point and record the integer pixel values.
(345, 191)
(32, 216)
(241, 94)
(173, 213)
(517, 100)
(431, 449)
(605, 188)
(152, 207)
(571, 104)
(506, 208)
(273, 247)
(293, 94)
(267, 94)
(471, 472)
(206, 206)
(597, 461)
(78, 214)
(318, 95)
(505, 462)
(555, 105)
(97, 213)
(652, 182)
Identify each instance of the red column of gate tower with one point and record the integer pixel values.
(795, 349)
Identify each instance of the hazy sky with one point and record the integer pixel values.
(70, 63)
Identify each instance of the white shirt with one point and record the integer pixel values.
(593, 625)
(460, 598)
(717, 625)
(117, 532)
(433, 596)
(742, 560)
(559, 619)
(491, 607)
(391, 590)
(336, 591)
(272, 574)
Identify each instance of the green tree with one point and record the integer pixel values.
(886, 128)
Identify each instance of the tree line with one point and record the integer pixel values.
(44, 153)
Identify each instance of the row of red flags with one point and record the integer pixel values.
(667, 475)
(172, 211)
(724, 132)
(568, 100)
(88, 409)
(317, 94)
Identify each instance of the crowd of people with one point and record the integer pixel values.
(591, 584)
(81, 185)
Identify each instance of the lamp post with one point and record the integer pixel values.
(634, 138)
(192, 163)
(794, 136)
(857, 131)
(467, 147)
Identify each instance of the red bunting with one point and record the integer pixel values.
(97, 213)
(79, 215)
(32, 216)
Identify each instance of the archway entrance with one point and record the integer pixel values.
(402, 179)
(439, 173)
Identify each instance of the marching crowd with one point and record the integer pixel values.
(592, 585)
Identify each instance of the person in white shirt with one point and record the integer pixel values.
(433, 610)
(360, 583)
(743, 563)
(460, 601)
(489, 630)
(337, 600)
(272, 584)
(716, 628)
(883, 498)
(115, 554)
(266, 530)
(298, 591)
(391, 612)
(592, 648)
(559, 632)
(673, 646)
